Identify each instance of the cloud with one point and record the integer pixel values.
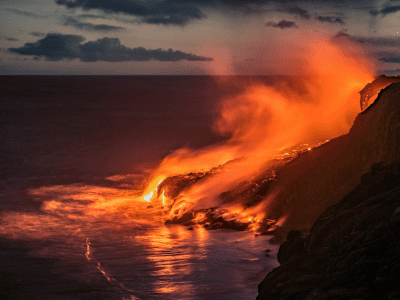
(384, 48)
(370, 41)
(391, 60)
(91, 16)
(332, 20)
(282, 24)
(390, 72)
(70, 21)
(181, 12)
(56, 47)
(25, 13)
(9, 39)
(295, 10)
(165, 12)
(37, 34)
(385, 11)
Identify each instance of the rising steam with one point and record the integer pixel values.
(262, 120)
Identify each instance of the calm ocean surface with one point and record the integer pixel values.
(74, 150)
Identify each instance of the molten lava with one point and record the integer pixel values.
(150, 195)
(261, 122)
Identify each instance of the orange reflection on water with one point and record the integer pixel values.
(174, 248)
(71, 209)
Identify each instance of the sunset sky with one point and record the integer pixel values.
(188, 37)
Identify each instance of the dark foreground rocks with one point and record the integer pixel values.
(352, 250)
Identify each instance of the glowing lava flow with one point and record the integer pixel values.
(87, 254)
(261, 121)
(150, 195)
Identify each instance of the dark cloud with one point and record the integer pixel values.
(282, 24)
(25, 13)
(90, 16)
(390, 72)
(181, 12)
(391, 60)
(56, 47)
(385, 11)
(295, 10)
(166, 12)
(175, 12)
(37, 34)
(378, 46)
(9, 39)
(370, 41)
(70, 21)
(333, 20)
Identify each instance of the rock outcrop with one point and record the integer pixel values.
(369, 93)
(300, 187)
(352, 250)
(321, 177)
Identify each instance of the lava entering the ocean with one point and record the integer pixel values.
(267, 126)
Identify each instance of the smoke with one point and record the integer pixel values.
(262, 120)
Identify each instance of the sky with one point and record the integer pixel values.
(188, 37)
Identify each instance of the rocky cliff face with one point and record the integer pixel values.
(352, 250)
(369, 93)
(305, 184)
(321, 177)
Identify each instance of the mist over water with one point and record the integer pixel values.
(260, 120)
(74, 152)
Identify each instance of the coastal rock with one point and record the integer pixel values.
(352, 250)
(301, 186)
(369, 93)
(294, 245)
(321, 177)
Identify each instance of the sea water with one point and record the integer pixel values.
(74, 150)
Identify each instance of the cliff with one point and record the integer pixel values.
(321, 177)
(352, 250)
(369, 93)
(302, 186)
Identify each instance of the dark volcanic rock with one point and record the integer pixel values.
(369, 93)
(321, 177)
(352, 250)
(174, 185)
(209, 218)
(294, 245)
(304, 184)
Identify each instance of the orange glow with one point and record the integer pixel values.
(199, 218)
(263, 120)
(153, 189)
(162, 240)
(73, 209)
(87, 249)
(149, 196)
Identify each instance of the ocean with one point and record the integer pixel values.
(74, 152)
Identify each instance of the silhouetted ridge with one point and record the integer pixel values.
(352, 250)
